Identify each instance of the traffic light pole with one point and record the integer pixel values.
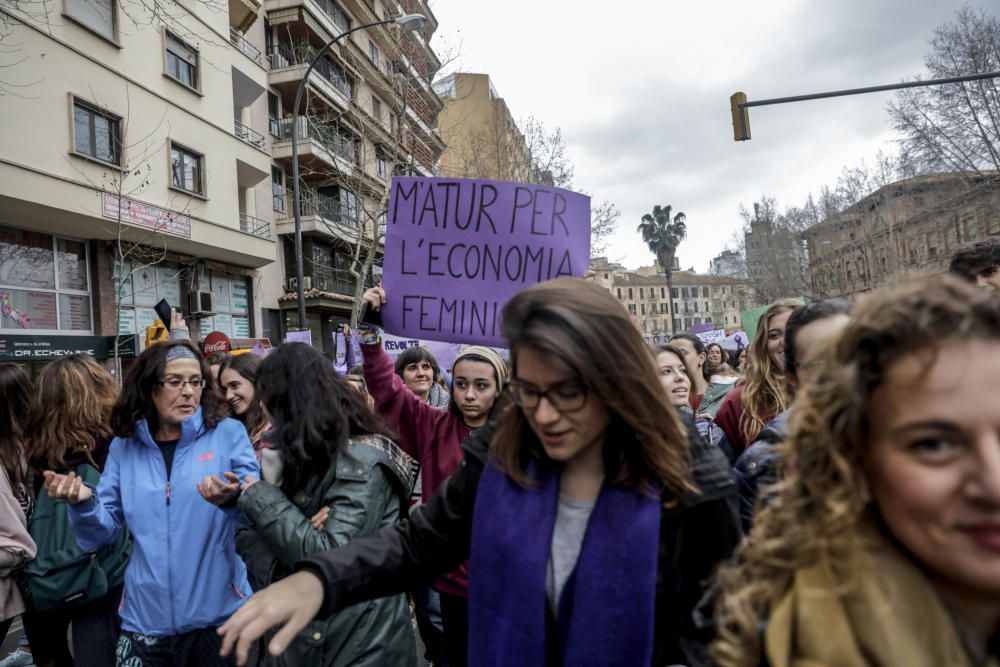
(739, 103)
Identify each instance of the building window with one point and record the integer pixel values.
(186, 169)
(278, 189)
(619, 293)
(630, 294)
(642, 308)
(380, 165)
(631, 309)
(377, 109)
(373, 53)
(96, 134)
(673, 292)
(640, 292)
(44, 282)
(98, 16)
(704, 292)
(273, 115)
(605, 276)
(663, 292)
(684, 292)
(182, 62)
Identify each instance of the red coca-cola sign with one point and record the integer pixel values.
(216, 342)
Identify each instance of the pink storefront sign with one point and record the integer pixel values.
(146, 215)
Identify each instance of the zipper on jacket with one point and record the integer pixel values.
(170, 582)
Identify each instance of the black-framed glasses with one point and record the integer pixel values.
(568, 396)
(177, 383)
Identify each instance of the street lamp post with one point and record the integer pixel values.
(411, 21)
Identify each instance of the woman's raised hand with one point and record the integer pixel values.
(291, 603)
(68, 488)
(374, 297)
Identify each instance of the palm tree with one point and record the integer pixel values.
(663, 234)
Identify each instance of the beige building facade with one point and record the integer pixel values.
(694, 300)
(482, 136)
(904, 230)
(368, 114)
(133, 168)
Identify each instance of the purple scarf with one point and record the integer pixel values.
(608, 604)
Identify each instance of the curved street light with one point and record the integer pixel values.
(408, 21)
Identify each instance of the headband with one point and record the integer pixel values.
(180, 352)
(491, 357)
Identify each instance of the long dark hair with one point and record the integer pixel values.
(579, 327)
(135, 402)
(674, 350)
(313, 412)
(247, 366)
(16, 389)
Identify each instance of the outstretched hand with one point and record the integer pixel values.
(68, 488)
(217, 492)
(290, 603)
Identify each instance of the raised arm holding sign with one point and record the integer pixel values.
(457, 250)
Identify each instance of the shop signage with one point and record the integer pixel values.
(145, 215)
(216, 342)
(43, 348)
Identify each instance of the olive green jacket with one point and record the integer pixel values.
(366, 489)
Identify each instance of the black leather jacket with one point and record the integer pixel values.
(757, 467)
(695, 536)
(367, 488)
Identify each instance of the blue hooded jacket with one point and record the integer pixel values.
(184, 573)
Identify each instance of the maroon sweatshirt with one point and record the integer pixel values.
(430, 435)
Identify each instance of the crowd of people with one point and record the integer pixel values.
(828, 495)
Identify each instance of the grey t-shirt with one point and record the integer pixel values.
(567, 538)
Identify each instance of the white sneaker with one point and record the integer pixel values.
(18, 658)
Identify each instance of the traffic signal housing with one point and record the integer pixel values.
(741, 117)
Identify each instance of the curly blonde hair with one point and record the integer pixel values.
(764, 395)
(815, 515)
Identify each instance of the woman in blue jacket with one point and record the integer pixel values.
(173, 449)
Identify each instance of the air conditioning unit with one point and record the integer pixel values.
(293, 284)
(200, 303)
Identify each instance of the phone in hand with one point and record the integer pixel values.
(163, 311)
(370, 316)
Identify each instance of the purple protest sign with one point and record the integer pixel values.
(457, 249)
(702, 328)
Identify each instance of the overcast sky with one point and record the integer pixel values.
(641, 91)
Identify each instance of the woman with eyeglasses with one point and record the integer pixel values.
(173, 450)
(590, 523)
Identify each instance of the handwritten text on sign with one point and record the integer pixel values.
(457, 250)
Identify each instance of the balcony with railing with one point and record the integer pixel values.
(239, 40)
(327, 137)
(255, 226)
(244, 133)
(313, 203)
(285, 55)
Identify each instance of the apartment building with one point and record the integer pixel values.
(694, 300)
(368, 113)
(904, 230)
(482, 137)
(133, 168)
